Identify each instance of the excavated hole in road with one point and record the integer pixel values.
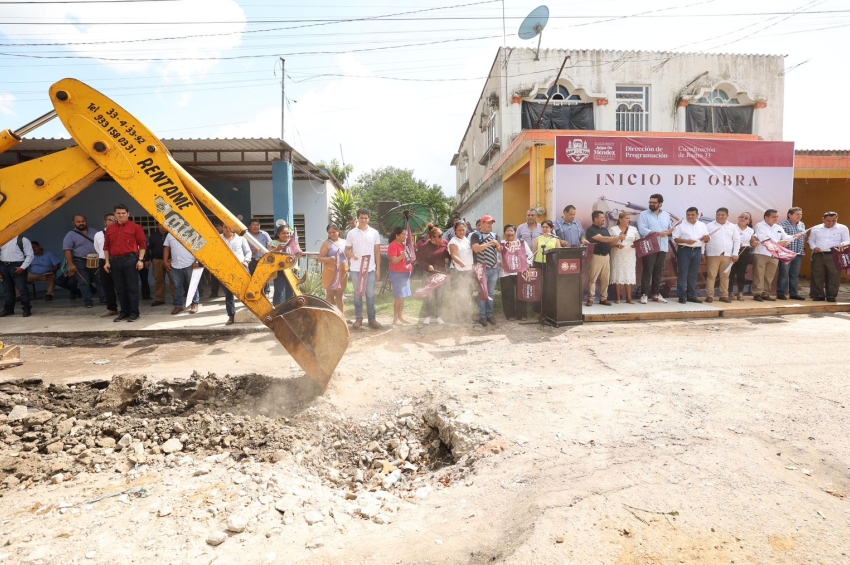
(130, 420)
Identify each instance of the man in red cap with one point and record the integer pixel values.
(485, 248)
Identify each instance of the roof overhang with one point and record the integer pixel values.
(227, 159)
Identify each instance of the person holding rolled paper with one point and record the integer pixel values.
(823, 240)
(486, 249)
(516, 258)
(721, 252)
(789, 273)
(691, 237)
(433, 256)
(399, 273)
(738, 272)
(654, 221)
(600, 264)
(768, 234)
(624, 258)
(363, 250)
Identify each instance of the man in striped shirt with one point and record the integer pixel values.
(485, 247)
(789, 273)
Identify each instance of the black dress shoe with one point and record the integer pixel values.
(157, 303)
(492, 320)
(696, 300)
(758, 298)
(815, 298)
(133, 318)
(798, 297)
(48, 297)
(483, 321)
(5, 313)
(828, 300)
(121, 317)
(781, 297)
(28, 313)
(682, 300)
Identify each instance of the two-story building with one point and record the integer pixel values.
(504, 162)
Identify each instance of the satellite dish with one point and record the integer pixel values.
(532, 26)
(280, 223)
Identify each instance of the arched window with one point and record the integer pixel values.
(557, 92)
(632, 108)
(718, 97)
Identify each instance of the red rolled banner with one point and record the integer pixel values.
(530, 286)
(363, 278)
(647, 245)
(480, 270)
(782, 253)
(432, 283)
(514, 259)
(841, 259)
(340, 259)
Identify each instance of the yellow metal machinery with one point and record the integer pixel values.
(111, 140)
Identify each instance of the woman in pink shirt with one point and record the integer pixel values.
(400, 270)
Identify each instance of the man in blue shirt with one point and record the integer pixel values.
(789, 273)
(569, 230)
(655, 220)
(43, 269)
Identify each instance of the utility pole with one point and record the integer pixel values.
(282, 95)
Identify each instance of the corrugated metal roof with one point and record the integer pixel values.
(235, 159)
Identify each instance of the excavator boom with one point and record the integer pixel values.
(111, 140)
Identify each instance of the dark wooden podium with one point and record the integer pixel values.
(562, 287)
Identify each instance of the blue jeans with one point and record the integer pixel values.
(688, 267)
(281, 288)
(182, 278)
(485, 307)
(370, 296)
(11, 281)
(84, 284)
(789, 277)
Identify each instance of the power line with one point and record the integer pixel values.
(322, 21)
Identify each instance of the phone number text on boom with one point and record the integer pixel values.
(126, 138)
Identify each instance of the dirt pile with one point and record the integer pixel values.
(54, 432)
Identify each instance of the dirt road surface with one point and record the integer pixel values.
(716, 441)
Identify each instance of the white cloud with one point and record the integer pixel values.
(110, 40)
(6, 103)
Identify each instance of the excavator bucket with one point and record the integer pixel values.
(313, 332)
(10, 356)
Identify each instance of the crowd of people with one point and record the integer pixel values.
(113, 264)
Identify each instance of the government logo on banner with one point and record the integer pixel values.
(577, 150)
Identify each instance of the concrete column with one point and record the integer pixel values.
(282, 189)
(602, 115)
(681, 116)
(758, 113)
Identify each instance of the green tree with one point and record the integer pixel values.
(343, 208)
(340, 172)
(391, 183)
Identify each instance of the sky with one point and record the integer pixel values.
(385, 82)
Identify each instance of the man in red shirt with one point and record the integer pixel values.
(124, 251)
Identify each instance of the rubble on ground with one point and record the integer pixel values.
(371, 465)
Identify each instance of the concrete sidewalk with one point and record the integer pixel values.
(65, 317)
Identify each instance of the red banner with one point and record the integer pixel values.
(514, 259)
(363, 278)
(841, 259)
(479, 271)
(432, 283)
(530, 286)
(782, 253)
(647, 245)
(340, 260)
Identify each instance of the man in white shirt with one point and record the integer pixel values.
(15, 256)
(179, 262)
(825, 277)
(765, 264)
(721, 251)
(240, 248)
(361, 242)
(103, 277)
(691, 235)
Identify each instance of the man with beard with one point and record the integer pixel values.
(79, 243)
(655, 220)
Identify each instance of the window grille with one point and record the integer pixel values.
(632, 108)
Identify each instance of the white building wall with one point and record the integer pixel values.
(487, 203)
(312, 198)
(594, 75)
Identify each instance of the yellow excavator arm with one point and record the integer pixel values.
(111, 140)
